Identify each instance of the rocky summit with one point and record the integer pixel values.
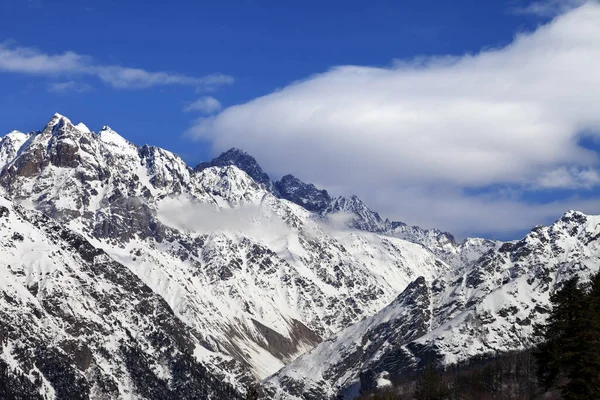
(128, 274)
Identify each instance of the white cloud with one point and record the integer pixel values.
(206, 105)
(569, 178)
(31, 61)
(450, 209)
(507, 116)
(121, 77)
(549, 8)
(69, 87)
(34, 62)
(251, 220)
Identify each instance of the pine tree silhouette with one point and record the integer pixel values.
(570, 354)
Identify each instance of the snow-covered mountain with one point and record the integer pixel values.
(257, 278)
(237, 276)
(76, 324)
(241, 160)
(484, 308)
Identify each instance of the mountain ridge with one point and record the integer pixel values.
(363, 218)
(306, 279)
(269, 276)
(466, 312)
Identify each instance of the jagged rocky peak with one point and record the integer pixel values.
(435, 239)
(68, 172)
(362, 217)
(573, 216)
(304, 194)
(243, 161)
(57, 144)
(58, 119)
(61, 125)
(115, 142)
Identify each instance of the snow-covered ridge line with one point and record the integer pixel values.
(289, 188)
(259, 274)
(259, 278)
(487, 308)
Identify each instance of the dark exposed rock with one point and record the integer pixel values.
(243, 161)
(79, 353)
(17, 386)
(68, 383)
(303, 194)
(18, 237)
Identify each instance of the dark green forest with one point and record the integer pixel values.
(565, 365)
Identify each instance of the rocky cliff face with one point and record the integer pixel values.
(304, 194)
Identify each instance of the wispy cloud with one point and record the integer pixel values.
(434, 131)
(69, 87)
(205, 105)
(200, 217)
(569, 178)
(549, 8)
(31, 61)
(121, 77)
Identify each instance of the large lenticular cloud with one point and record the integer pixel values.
(510, 116)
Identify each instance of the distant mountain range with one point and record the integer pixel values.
(128, 274)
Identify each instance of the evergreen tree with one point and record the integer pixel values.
(431, 385)
(583, 349)
(571, 350)
(556, 351)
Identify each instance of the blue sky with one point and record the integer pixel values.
(263, 45)
(76, 58)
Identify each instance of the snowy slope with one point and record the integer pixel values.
(254, 273)
(259, 278)
(76, 324)
(10, 145)
(485, 308)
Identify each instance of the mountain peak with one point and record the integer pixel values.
(56, 122)
(236, 151)
(13, 134)
(363, 218)
(60, 116)
(303, 194)
(111, 137)
(60, 123)
(572, 218)
(240, 159)
(573, 214)
(83, 128)
(10, 144)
